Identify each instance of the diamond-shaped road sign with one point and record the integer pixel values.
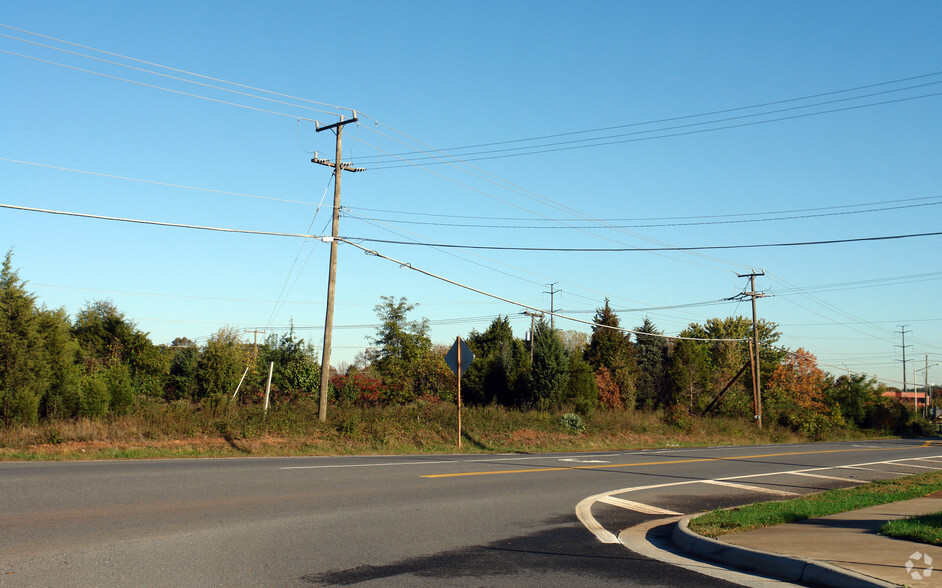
(451, 358)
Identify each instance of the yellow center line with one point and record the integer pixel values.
(652, 463)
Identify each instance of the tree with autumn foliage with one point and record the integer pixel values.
(609, 354)
(795, 395)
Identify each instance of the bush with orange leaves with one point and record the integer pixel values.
(796, 395)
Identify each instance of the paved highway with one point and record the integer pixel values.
(494, 520)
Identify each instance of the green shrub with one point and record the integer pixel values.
(572, 422)
(96, 398)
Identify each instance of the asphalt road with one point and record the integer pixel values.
(495, 520)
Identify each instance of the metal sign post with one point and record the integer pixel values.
(458, 358)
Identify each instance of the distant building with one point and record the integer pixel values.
(907, 396)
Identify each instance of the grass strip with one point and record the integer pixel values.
(766, 514)
(923, 529)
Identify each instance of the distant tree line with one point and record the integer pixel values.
(99, 363)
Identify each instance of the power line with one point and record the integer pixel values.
(615, 140)
(157, 223)
(154, 182)
(684, 117)
(515, 303)
(654, 225)
(168, 76)
(146, 85)
(646, 249)
(190, 73)
(454, 246)
(531, 195)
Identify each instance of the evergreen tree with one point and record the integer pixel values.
(608, 345)
(62, 397)
(651, 359)
(25, 374)
(499, 361)
(581, 390)
(689, 373)
(610, 353)
(550, 370)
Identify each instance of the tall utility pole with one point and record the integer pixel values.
(902, 331)
(757, 390)
(332, 272)
(552, 292)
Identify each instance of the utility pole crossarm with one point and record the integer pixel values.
(344, 166)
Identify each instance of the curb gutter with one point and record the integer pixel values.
(783, 567)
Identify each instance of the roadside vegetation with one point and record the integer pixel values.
(766, 514)
(922, 529)
(95, 384)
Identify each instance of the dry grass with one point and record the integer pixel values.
(156, 430)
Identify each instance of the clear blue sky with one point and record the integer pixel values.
(568, 125)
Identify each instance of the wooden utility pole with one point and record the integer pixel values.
(754, 352)
(332, 272)
(532, 314)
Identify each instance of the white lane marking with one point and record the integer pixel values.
(584, 514)
(584, 508)
(854, 480)
(750, 488)
(876, 469)
(637, 506)
(912, 465)
(577, 460)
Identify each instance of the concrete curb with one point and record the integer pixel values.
(782, 567)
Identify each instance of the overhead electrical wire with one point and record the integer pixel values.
(299, 118)
(506, 273)
(607, 140)
(513, 275)
(649, 249)
(285, 289)
(453, 246)
(653, 225)
(168, 68)
(157, 223)
(685, 117)
(168, 76)
(371, 252)
(409, 266)
(146, 85)
(154, 182)
(655, 218)
(577, 215)
(175, 77)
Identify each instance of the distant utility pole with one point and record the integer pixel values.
(902, 331)
(552, 292)
(332, 273)
(757, 389)
(532, 314)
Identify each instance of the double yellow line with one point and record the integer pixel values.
(655, 463)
